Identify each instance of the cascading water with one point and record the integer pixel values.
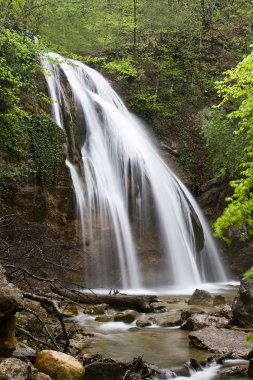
(126, 195)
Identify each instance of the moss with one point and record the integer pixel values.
(46, 144)
(103, 319)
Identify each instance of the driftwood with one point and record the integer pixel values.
(118, 301)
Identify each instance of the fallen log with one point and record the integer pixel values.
(119, 301)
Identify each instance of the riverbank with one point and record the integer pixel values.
(122, 343)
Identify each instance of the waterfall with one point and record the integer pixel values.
(140, 225)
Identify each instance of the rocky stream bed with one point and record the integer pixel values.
(202, 337)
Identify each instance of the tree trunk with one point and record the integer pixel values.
(118, 301)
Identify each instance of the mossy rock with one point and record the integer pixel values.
(126, 316)
(71, 311)
(104, 319)
(94, 310)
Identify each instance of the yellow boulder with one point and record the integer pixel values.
(59, 365)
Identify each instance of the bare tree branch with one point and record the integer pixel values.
(34, 338)
(44, 326)
(44, 300)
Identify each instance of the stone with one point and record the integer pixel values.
(219, 300)
(223, 311)
(126, 316)
(102, 371)
(199, 321)
(94, 358)
(79, 342)
(242, 307)
(143, 323)
(201, 297)
(188, 313)
(70, 311)
(250, 368)
(167, 319)
(221, 341)
(59, 366)
(7, 336)
(235, 370)
(96, 310)
(104, 318)
(42, 376)
(132, 376)
(11, 300)
(159, 307)
(23, 351)
(16, 369)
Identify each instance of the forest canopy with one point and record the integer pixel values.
(166, 56)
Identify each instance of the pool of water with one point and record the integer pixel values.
(164, 347)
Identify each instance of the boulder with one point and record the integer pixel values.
(223, 311)
(188, 313)
(234, 370)
(7, 336)
(167, 320)
(70, 311)
(78, 343)
(250, 368)
(15, 369)
(96, 309)
(24, 352)
(199, 321)
(126, 316)
(104, 318)
(201, 297)
(143, 323)
(102, 371)
(219, 300)
(159, 307)
(230, 343)
(59, 366)
(242, 307)
(11, 300)
(42, 376)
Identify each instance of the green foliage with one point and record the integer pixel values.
(46, 140)
(249, 273)
(222, 143)
(19, 63)
(21, 156)
(237, 91)
(111, 25)
(123, 68)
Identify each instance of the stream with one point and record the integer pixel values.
(166, 347)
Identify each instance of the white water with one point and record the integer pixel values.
(129, 192)
(208, 373)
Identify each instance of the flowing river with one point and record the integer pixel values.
(165, 347)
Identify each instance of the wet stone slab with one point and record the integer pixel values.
(222, 341)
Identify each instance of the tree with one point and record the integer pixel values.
(236, 91)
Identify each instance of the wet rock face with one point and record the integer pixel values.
(11, 300)
(221, 341)
(59, 366)
(240, 255)
(242, 307)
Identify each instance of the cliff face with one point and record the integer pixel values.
(42, 228)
